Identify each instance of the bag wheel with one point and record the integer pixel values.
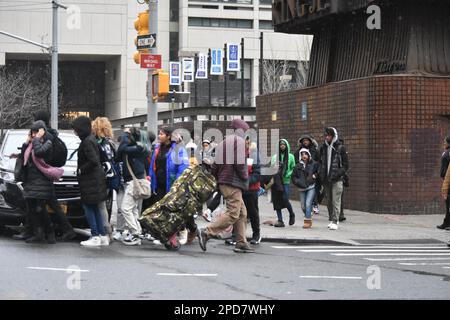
(173, 244)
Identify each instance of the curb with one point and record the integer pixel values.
(305, 241)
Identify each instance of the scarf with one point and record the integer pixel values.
(52, 173)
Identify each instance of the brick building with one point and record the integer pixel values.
(386, 91)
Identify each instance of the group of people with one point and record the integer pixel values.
(104, 168)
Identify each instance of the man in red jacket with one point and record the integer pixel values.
(232, 177)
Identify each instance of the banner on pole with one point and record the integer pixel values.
(175, 73)
(188, 69)
(216, 62)
(202, 69)
(233, 57)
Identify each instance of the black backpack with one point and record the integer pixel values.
(59, 153)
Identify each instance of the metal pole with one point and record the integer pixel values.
(242, 74)
(261, 69)
(152, 107)
(195, 81)
(209, 78)
(54, 90)
(225, 102)
(26, 40)
(172, 109)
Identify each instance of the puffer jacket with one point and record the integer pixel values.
(90, 174)
(137, 157)
(289, 163)
(36, 185)
(302, 177)
(339, 161)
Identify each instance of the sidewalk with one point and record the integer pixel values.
(359, 228)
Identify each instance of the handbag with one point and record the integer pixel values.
(141, 187)
(19, 171)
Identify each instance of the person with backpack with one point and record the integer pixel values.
(102, 130)
(304, 178)
(445, 161)
(38, 180)
(333, 166)
(92, 181)
(57, 159)
(132, 153)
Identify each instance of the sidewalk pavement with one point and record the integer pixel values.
(359, 228)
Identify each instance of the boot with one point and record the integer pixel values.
(38, 237)
(50, 235)
(24, 235)
(68, 235)
(307, 223)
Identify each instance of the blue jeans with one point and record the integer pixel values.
(306, 200)
(94, 218)
(287, 189)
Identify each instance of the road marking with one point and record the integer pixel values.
(405, 259)
(389, 254)
(359, 247)
(188, 274)
(446, 267)
(424, 263)
(57, 269)
(378, 250)
(331, 277)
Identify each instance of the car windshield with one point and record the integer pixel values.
(14, 141)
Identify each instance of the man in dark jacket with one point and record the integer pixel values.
(333, 165)
(445, 161)
(92, 181)
(232, 177)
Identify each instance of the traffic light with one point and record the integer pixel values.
(141, 26)
(160, 90)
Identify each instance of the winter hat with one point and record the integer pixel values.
(305, 151)
(206, 141)
(38, 125)
(82, 125)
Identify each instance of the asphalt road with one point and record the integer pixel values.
(275, 271)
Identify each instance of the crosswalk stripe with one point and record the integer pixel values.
(360, 247)
(378, 250)
(406, 259)
(331, 277)
(424, 263)
(390, 254)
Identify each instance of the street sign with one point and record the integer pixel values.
(150, 61)
(233, 62)
(202, 69)
(188, 69)
(216, 62)
(147, 41)
(175, 73)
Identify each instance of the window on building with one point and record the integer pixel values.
(265, 24)
(174, 10)
(265, 2)
(228, 1)
(220, 23)
(174, 46)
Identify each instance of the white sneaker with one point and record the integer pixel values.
(333, 226)
(329, 225)
(157, 242)
(92, 242)
(316, 210)
(117, 235)
(207, 215)
(104, 240)
(182, 238)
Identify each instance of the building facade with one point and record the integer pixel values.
(96, 46)
(387, 91)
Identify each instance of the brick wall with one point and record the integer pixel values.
(393, 127)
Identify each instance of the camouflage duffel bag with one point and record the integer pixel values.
(185, 198)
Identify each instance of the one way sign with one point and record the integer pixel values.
(147, 41)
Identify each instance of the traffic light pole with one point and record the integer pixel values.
(152, 107)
